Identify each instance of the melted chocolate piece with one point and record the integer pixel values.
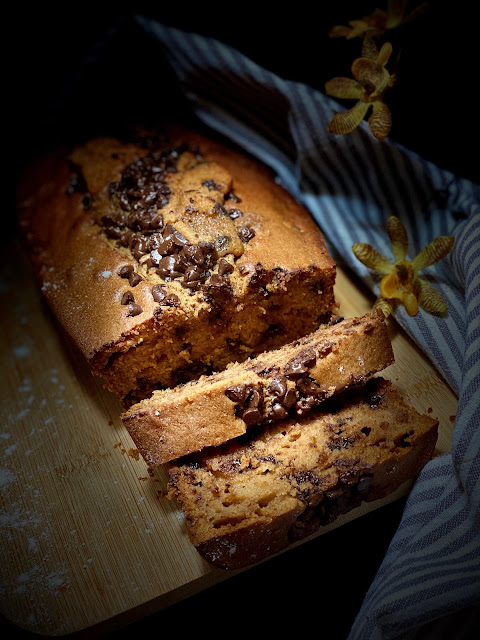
(134, 279)
(308, 387)
(160, 294)
(235, 213)
(249, 401)
(251, 416)
(134, 309)
(236, 393)
(278, 387)
(224, 267)
(211, 185)
(127, 298)
(301, 363)
(125, 271)
(218, 291)
(246, 234)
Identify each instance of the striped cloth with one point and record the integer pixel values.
(352, 184)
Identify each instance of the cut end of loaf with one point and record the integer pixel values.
(258, 494)
(289, 381)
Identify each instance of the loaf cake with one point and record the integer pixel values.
(202, 294)
(289, 380)
(258, 494)
(167, 256)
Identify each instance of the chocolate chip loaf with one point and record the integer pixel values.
(256, 495)
(168, 256)
(289, 380)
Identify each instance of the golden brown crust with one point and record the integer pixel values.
(292, 379)
(258, 494)
(284, 267)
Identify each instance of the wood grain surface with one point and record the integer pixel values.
(89, 541)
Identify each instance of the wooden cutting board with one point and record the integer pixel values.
(88, 538)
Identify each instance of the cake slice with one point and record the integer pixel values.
(256, 495)
(286, 381)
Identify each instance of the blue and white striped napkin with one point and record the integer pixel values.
(352, 184)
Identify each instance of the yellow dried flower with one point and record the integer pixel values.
(373, 24)
(370, 81)
(379, 21)
(400, 281)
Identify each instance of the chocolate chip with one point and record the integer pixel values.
(218, 208)
(325, 349)
(159, 292)
(113, 232)
(154, 258)
(237, 393)
(211, 185)
(308, 387)
(176, 236)
(246, 234)
(305, 403)
(192, 277)
(127, 238)
(166, 246)
(278, 386)
(218, 291)
(301, 363)
(402, 441)
(139, 249)
(154, 241)
(224, 267)
(308, 476)
(251, 416)
(290, 398)
(127, 298)
(279, 410)
(134, 309)
(157, 222)
(171, 300)
(193, 254)
(254, 400)
(232, 197)
(134, 279)
(166, 266)
(235, 213)
(208, 248)
(125, 271)
(139, 220)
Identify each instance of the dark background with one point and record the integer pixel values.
(60, 89)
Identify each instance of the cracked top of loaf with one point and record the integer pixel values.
(122, 231)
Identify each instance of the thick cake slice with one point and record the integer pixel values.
(257, 494)
(289, 380)
(168, 256)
